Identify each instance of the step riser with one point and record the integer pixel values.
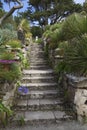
(36, 51)
(37, 56)
(34, 122)
(39, 68)
(38, 81)
(37, 96)
(39, 107)
(42, 88)
(35, 59)
(37, 75)
(37, 122)
(38, 63)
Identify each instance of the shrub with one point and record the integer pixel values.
(75, 25)
(14, 43)
(6, 35)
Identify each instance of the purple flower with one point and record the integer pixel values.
(7, 61)
(23, 89)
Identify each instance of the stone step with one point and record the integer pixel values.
(37, 60)
(36, 47)
(38, 63)
(37, 56)
(39, 67)
(39, 49)
(38, 72)
(36, 52)
(40, 117)
(40, 79)
(38, 94)
(38, 104)
(40, 86)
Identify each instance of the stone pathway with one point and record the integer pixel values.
(42, 104)
(62, 126)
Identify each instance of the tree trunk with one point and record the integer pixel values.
(11, 11)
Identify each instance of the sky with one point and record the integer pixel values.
(6, 7)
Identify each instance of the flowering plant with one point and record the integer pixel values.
(23, 89)
(7, 61)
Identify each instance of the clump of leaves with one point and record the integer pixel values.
(21, 121)
(75, 57)
(7, 56)
(5, 113)
(74, 26)
(14, 43)
(6, 35)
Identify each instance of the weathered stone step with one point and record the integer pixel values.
(36, 52)
(39, 104)
(37, 60)
(40, 79)
(38, 94)
(41, 117)
(38, 63)
(39, 67)
(39, 49)
(36, 47)
(37, 56)
(48, 71)
(40, 86)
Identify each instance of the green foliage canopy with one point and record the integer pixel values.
(53, 10)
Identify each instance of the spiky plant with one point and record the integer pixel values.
(74, 26)
(75, 57)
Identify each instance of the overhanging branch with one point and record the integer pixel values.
(11, 11)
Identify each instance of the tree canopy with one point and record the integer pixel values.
(53, 10)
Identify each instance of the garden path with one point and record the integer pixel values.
(41, 102)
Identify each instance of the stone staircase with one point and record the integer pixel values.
(42, 103)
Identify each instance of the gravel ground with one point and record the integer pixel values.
(62, 126)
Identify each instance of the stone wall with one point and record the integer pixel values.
(9, 95)
(77, 89)
(7, 92)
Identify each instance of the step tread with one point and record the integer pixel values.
(38, 71)
(36, 92)
(39, 77)
(38, 84)
(40, 115)
(31, 102)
